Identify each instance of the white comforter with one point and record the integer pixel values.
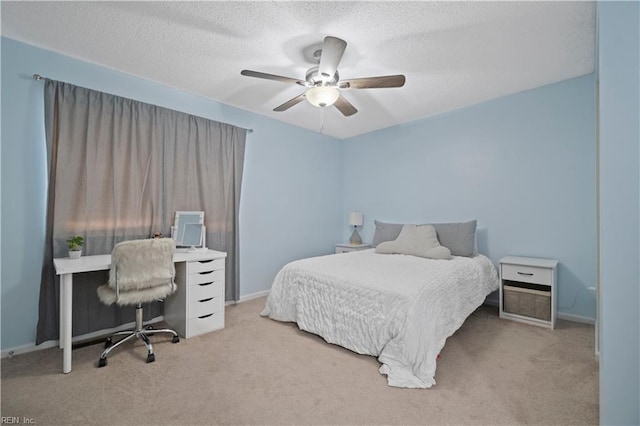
(396, 307)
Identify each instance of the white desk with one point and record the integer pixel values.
(66, 267)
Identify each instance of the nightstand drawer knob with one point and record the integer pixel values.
(528, 274)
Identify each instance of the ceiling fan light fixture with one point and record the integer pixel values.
(323, 81)
(322, 96)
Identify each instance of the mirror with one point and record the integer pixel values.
(189, 229)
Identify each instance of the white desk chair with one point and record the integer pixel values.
(141, 271)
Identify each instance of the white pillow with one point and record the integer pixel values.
(416, 240)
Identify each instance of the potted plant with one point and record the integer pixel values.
(75, 246)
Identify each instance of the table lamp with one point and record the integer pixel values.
(355, 219)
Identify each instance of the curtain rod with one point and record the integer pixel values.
(38, 77)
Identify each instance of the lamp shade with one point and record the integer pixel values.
(356, 219)
(322, 96)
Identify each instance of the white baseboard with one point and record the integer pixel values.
(576, 318)
(252, 296)
(248, 297)
(54, 343)
(32, 347)
(560, 315)
(29, 347)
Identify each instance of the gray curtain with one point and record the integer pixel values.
(119, 170)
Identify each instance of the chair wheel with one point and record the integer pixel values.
(108, 342)
(175, 339)
(151, 358)
(102, 362)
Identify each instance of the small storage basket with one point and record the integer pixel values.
(527, 302)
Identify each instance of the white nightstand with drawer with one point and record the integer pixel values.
(197, 306)
(528, 290)
(346, 248)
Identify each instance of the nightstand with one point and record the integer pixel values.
(346, 248)
(528, 289)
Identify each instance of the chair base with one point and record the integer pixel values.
(139, 332)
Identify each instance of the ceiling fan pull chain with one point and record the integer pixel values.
(322, 123)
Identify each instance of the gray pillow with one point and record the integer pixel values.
(385, 232)
(460, 238)
(416, 240)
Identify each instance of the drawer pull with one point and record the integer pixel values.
(205, 316)
(208, 272)
(205, 284)
(206, 261)
(528, 274)
(205, 300)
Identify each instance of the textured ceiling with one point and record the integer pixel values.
(453, 54)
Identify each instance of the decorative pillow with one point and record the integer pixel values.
(460, 238)
(416, 240)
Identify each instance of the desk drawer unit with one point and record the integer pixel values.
(528, 290)
(197, 306)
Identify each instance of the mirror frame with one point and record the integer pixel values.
(184, 218)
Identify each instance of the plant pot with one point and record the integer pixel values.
(75, 254)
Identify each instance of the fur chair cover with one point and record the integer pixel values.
(142, 270)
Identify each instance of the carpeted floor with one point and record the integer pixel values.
(259, 371)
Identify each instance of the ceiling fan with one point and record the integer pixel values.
(323, 81)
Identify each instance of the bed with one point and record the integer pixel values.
(398, 307)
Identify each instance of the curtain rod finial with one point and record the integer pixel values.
(37, 77)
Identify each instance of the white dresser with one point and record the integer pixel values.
(197, 306)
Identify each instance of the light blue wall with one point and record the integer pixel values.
(291, 196)
(619, 160)
(523, 165)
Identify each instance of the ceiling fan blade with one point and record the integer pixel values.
(373, 82)
(332, 50)
(291, 102)
(266, 76)
(345, 107)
